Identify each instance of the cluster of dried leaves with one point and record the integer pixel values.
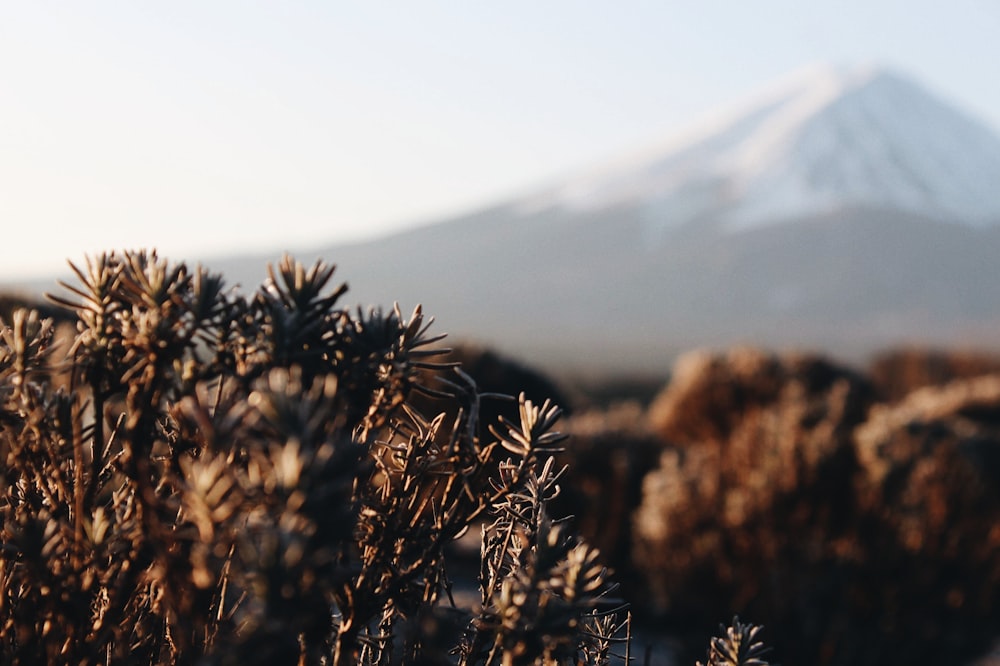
(203, 477)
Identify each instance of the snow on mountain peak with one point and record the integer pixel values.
(824, 139)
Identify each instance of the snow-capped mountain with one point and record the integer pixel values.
(845, 208)
(826, 139)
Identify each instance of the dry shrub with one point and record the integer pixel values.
(930, 486)
(234, 479)
(752, 506)
(608, 454)
(497, 378)
(898, 372)
(866, 537)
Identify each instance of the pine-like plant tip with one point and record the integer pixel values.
(738, 646)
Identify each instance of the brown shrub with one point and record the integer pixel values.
(244, 480)
(898, 372)
(772, 427)
(497, 378)
(862, 540)
(608, 454)
(929, 486)
(752, 505)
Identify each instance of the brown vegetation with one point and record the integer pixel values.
(196, 476)
(607, 455)
(860, 532)
(244, 480)
(898, 372)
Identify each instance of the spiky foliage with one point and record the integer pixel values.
(738, 646)
(244, 480)
(545, 596)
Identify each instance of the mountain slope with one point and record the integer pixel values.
(845, 209)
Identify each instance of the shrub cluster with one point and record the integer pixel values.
(866, 531)
(203, 477)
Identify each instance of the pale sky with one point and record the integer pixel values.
(203, 128)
